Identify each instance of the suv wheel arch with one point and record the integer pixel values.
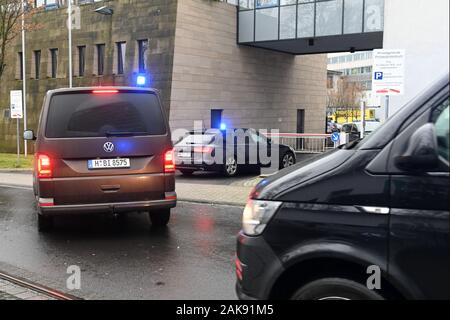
(310, 270)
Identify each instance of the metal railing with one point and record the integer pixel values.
(304, 143)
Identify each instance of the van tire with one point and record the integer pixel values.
(45, 223)
(337, 288)
(159, 218)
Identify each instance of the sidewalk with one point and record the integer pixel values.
(235, 195)
(11, 291)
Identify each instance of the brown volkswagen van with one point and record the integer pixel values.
(103, 150)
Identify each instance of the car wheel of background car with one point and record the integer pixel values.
(335, 289)
(187, 172)
(45, 223)
(159, 218)
(230, 168)
(287, 160)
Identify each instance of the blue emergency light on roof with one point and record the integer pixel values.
(141, 80)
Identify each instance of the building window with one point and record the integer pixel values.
(100, 59)
(37, 64)
(305, 20)
(287, 22)
(142, 54)
(81, 60)
(20, 66)
(53, 62)
(121, 49)
(266, 24)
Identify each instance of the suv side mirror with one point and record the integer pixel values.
(29, 135)
(422, 152)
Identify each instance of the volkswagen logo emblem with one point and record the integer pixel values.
(108, 147)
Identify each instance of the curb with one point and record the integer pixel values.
(20, 171)
(216, 203)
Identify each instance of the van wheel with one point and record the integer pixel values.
(45, 223)
(187, 172)
(230, 169)
(160, 218)
(335, 289)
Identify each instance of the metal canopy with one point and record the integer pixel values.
(342, 43)
(311, 26)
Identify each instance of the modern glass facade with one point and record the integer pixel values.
(262, 21)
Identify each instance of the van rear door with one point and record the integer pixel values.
(96, 138)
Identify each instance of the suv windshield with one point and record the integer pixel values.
(75, 115)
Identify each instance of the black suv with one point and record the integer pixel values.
(369, 220)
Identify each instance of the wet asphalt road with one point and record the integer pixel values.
(124, 258)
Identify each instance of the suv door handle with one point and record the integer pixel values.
(110, 188)
(374, 210)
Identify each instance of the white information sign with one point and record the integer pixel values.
(16, 104)
(388, 78)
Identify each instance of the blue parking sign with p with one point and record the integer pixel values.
(378, 75)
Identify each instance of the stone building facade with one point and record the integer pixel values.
(192, 57)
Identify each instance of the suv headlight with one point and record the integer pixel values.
(257, 214)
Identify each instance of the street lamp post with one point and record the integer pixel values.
(70, 42)
(24, 79)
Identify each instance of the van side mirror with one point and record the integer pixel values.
(422, 152)
(29, 135)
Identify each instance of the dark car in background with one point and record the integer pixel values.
(214, 150)
(369, 220)
(103, 150)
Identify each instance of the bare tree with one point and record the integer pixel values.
(345, 94)
(344, 99)
(11, 24)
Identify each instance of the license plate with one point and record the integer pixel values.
(108, 163)
(184, 154)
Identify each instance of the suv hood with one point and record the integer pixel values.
(275, 185)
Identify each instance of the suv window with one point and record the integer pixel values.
(199, 139)
(441, 121)
(75, 115)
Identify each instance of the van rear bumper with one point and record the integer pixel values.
(118, 207)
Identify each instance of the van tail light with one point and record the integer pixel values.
(169, 161)
(105, 91)
(44, 166)
(46, 202)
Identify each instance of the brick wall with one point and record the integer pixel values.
(255, 87)
(132, 20)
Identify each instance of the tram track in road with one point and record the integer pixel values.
(35, 287)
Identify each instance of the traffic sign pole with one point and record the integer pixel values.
(363, 118)
(386, 109)
(18, 141)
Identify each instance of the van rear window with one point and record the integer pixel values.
(76, 115)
